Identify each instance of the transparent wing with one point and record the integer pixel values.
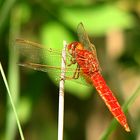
(38, 57)
(84, 39)
(39, 67)
(33, 52)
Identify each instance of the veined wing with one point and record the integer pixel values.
(34, 55)
(33, 52)
(84, 39)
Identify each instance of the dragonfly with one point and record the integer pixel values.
(83, 54)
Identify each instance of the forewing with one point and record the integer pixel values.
(84, 39)
(32, 54)
(38, 57)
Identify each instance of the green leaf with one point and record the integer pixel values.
(98, 19)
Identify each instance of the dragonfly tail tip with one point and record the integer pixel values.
(127, 128)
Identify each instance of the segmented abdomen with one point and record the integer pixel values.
(109, 99)
(89, 65)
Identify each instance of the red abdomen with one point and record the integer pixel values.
(90, 67)
(109, 99)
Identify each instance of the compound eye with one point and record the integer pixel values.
(73, 46)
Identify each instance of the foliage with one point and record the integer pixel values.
(49, 22)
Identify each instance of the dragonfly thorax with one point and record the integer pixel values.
(87, 62)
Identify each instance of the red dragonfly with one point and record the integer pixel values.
(83, 53)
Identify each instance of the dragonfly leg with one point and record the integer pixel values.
(72, 61)
(75, 75)
(77, 72)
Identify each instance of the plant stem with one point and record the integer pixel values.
(61, 94)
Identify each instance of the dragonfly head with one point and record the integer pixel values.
(73, 47)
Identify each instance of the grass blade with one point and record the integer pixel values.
(7, 5)
(11, 100)
(13, 71)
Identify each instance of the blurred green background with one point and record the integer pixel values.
(113, 26)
